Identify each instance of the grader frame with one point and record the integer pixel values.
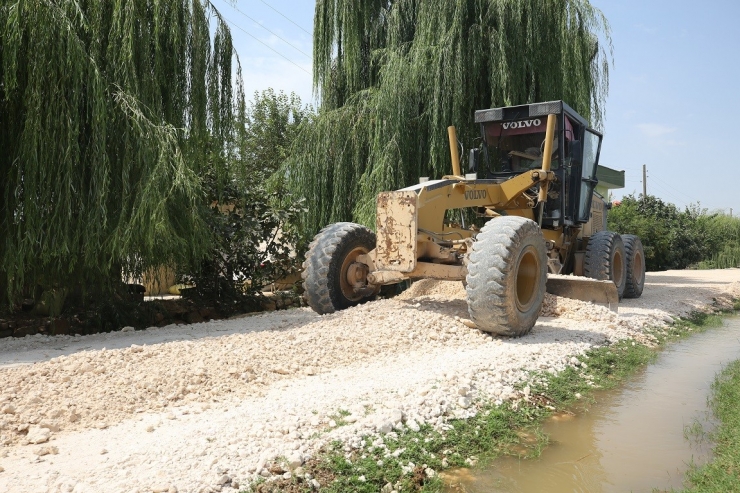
(536, 220)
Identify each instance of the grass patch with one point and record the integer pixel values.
(722, 474)
(402, 461)
(601, 368)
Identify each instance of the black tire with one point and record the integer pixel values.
(606, 260)
(325, 267)
(507, 272)
(635, 255)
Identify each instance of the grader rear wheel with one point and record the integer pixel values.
(606, 260)
(635, 256)
(507, 271)
(331, 273)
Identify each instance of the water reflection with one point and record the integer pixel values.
(637, 438)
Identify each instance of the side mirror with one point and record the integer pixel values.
(474, 160)
(576, 151)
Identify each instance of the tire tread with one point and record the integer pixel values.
(490, 302)
(321, 264)
(632, 244)
(597, 263)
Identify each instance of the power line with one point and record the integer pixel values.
(676, 190)
(661, 188)
(266, 45)
(269, 31)
(276, 10)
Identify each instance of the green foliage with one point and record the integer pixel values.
(485, 436)
(109, 113)
(724, 240)
(271, 126)
(723, 472)
(252, 245)
(605, 368)
(675, 239)
(393, 75)
(251, 223)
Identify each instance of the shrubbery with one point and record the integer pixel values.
(253, 242)
(252, 219)
(675, 239)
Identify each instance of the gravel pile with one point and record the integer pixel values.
(207, 407)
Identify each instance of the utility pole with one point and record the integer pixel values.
(644, 182)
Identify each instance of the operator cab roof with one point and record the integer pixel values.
(525, 111)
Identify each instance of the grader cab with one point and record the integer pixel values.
(531, 186)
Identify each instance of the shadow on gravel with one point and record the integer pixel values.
(545, 333)
(542, 333)
(452, 308)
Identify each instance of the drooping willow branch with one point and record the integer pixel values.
(109, 113)
(393, 74)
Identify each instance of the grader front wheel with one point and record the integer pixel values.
(332, 278)
(507, 271)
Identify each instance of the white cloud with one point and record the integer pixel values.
(261, 73)
(655, 129)
(646, 29)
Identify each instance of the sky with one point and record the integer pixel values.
(674, 87)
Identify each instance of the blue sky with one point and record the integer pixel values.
(674, 100)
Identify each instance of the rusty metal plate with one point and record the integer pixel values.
(395, 223)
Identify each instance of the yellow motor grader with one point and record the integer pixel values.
(531, 186)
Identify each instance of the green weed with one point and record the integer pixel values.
(722, 474)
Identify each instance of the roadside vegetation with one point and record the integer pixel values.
(130, 148)
(676, 239)
(410, 461)
(251, 219)
(723, 472)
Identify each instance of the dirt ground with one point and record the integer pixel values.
(207, 406)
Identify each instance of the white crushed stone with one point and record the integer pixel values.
(207, 407)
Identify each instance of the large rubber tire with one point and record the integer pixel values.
(507, 272)
(327, 259)
(635, 255)
(606, 260)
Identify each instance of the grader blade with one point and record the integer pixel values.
(585, 289)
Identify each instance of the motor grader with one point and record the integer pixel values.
(531, 187)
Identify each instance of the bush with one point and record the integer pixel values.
(675, 239)
(253, 244)
(252, 220)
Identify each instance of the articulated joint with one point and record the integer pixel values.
(540, 175)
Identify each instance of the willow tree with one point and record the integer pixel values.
(110, 112)
(393, 74)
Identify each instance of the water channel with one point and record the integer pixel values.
(636, 438)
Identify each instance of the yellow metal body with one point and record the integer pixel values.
(454, 154)
(414, 242)
(547, 154)
(416, 236)
(410, 224)
(413, 239)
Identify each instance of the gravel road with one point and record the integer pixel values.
(205, 407)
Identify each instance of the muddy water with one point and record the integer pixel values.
(636, 438)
